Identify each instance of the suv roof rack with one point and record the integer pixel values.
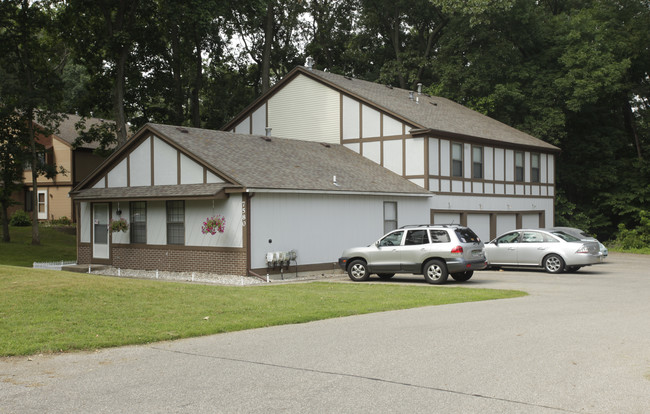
(430, 225)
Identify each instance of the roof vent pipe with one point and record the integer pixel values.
(410, 95)
(419, 88)
(268, 131)
(310, 63)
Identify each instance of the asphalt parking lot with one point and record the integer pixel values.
(578, 343)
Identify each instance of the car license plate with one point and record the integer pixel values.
(477, 253)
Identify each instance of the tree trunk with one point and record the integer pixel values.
(396, 49)
(629, 124)
(268, 42)
(118, 97)
(198, 77)
(36, 237)
(177, 107)
(5, 224)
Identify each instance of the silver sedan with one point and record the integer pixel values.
(555, 251)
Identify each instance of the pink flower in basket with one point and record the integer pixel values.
(215, 224)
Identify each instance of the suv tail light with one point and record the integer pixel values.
(457, 249)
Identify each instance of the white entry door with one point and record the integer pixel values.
(100, 231)
(42, 204)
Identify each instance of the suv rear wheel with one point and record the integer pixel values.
(358, 271)
(435, 272)
(462, 276)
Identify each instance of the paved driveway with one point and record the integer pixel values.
(579, 343)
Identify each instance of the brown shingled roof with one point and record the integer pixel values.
(440, 115)
(68, 133)
(255, 161)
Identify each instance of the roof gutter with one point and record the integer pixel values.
(332, 192)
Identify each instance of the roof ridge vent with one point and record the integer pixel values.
(183, 130)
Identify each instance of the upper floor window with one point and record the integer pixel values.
(42, 158)
(390, 216)
(456, 160)
(477, 162)
(176, 222)
(519, 166)
(534, 168)
(138, 210)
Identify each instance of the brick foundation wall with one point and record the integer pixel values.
(225, 262)
(84, 254)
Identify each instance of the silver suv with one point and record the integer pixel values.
(435, 251)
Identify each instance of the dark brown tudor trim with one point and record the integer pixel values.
(153, 179)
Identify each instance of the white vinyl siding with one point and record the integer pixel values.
(259, 121)
(140, 164)
(434, 157)
(351, 111)
(393, 156)
(370, 121)
(415, 156)
(392, 127)
(165, 163)
(307, 110)
(196, 212)
(117, 176)
(191, 172)
(372, 151)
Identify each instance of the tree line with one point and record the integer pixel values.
(573, 73)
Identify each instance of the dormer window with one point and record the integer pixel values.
(456, 159)
(534, 168)
(477, 162)
(519, 166)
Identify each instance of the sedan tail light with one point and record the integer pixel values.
(457, 249)
(583, 249)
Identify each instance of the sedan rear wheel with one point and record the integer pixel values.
(435, 272)
(462, 276)
(358, 271)
(553, 263)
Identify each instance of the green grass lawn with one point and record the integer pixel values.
(48, 311)
(56, 244)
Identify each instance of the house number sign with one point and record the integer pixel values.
(243, 213)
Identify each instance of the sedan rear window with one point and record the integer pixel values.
(564, 236)
(466, 235)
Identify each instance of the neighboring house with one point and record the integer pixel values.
(54, 201)
(482, 173)
(276, 195)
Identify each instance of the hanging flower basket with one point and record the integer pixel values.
(119, 225)
(215, 224)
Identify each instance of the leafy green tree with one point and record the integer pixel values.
(31, 86)
(14, 148)
(105, 36)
